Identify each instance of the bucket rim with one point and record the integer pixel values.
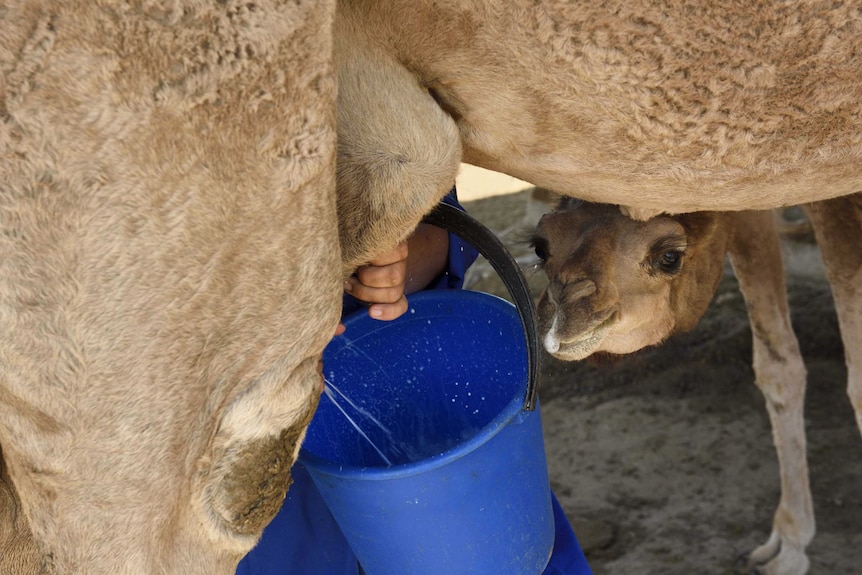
(507, 416)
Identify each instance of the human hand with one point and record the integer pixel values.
(407, 268)
(382, 284)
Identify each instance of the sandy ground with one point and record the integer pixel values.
(664, 462)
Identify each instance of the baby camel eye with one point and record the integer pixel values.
(540, 246)
(669, 261)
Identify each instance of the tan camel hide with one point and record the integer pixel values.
(617, 285)
(169, 276)
(659, 105)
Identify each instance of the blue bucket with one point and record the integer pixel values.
(448, 473)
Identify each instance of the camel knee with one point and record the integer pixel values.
(779, 370)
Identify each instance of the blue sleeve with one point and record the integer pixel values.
(567, 558)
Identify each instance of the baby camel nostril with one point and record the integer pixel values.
(551, 341)
(580, 289)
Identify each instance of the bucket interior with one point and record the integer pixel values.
(451, 369)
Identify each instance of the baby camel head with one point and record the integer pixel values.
(617, 285)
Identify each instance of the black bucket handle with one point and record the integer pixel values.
(489, 245)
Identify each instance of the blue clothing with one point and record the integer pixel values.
(567, 557)
(304, 539)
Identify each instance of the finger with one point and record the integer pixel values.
(374, 295)
(390, 275)
(340, 329)
(388, 311)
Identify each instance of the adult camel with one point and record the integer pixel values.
(170, 268)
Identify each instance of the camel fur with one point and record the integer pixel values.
(169, 276)
(662, 106)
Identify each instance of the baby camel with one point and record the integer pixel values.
(618, 285)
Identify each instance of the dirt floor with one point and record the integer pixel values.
(664, 461)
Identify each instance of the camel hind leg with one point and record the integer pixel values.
(398, 151)
(838, 228)
(780, 374)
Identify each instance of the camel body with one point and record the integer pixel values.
(660, 106)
